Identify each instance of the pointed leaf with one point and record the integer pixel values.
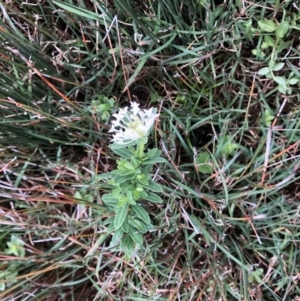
(269, 41)
(136, 194)
(284, 45)
(137, 224)
(137, 238)
(109, 201)
(78, 195)
(123, 152)
(120, 178)
(125, 226)
(154, 186)
(152, 152)
(127, 245)
(155, 160)
(117, 236)
(102, 176)
(141, 213)
(143, 181)
(152, 197)
(121, 216)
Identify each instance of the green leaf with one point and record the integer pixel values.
(129, 165)
(123, 152)
(205, 168)
(136, 163)
(117, 146)
(108, 221)
(117, 236)
(122, 201)
(263, 71)
(201, 161)
(139, 225)
(15, 247)
(282, 89)
(154, 186)
(130, 197)
(260, 54)
(229, 147)
(271, 64)
(121, 216)
(284, 45)
(143, 194)
(268, 117)
(125, 226)
(136, 194)
(111, 228)
(152, 197)
(155, 160)
(141, 213)
(278, 67)
(153, 152)
(202, 157)
(293, 81)
(78, 195)
(122, 178)
(282, 29)
(143, 181)
(115, 193)
(269, 41)
(109, 201)
(280, 80)
(267, 25)
(127, 245)
(256, 276)
(137, 237)
(124, 172)
(103, 176)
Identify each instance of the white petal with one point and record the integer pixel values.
(135, 108)
(132, 125)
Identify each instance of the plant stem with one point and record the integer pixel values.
(140, 150)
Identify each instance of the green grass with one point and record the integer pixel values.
(231, 233)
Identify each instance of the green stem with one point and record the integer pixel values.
(140, 150)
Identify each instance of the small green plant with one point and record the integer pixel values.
(277, 45)
(256, 275)
(202, 163)
(8, 268)
(15, 247)
(131, 182)
(229, 147)
(267, 118)
(103, 107)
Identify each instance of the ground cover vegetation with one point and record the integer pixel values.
(205, 208)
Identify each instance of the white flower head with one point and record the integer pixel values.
(132, 125)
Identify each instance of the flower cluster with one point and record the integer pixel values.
(132, 124)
